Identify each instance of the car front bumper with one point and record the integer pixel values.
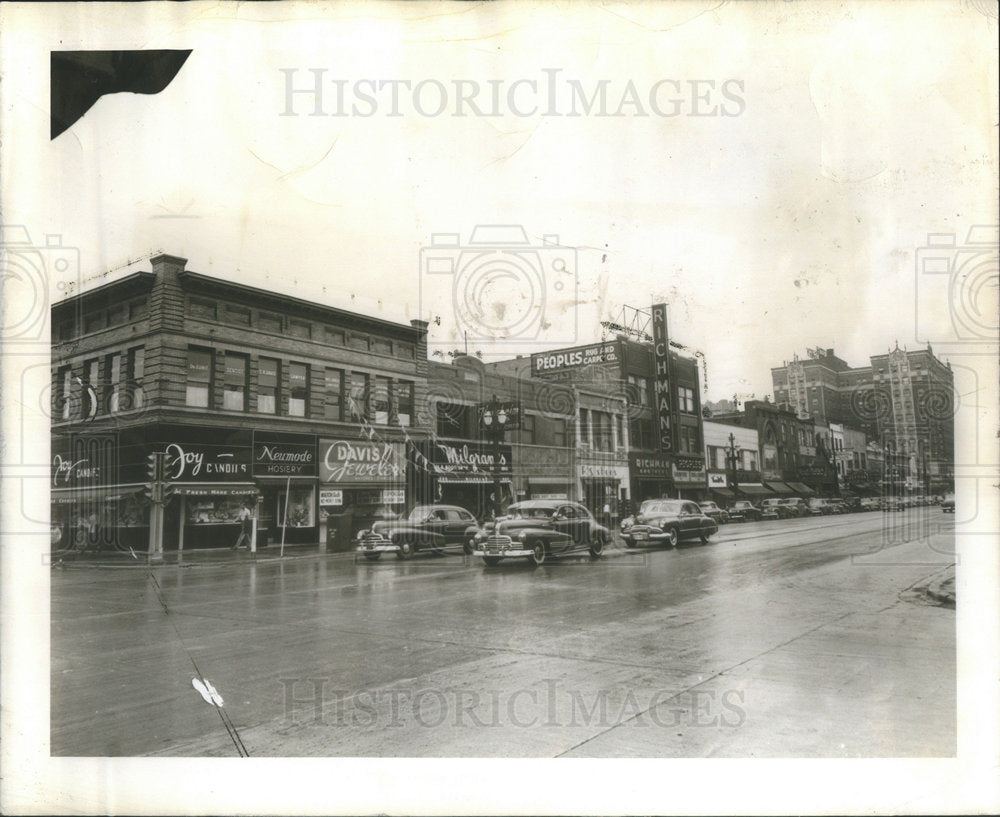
(512, 553)
(386, 547)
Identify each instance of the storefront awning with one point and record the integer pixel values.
(726, 492)
(799, 488)
(213, 489)
(549, 481)
(469, 479)
(106, 493)
(756, 489)
(780, 488)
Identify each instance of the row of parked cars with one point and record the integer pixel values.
(535, 530)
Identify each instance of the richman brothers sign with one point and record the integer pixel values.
(356, 461)
(661, 379)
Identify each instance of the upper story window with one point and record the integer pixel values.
(268, 385)
(298, 384)
(381, 400)
(334, 402)
(685, 399)
(406, 351)
(559, 432)
(136, 369)
(528, 428)
(113, 387)
(198, 308)
(94, 322)
(237, 315)
(359, 341)
(382, 346)
(639, 390)
(334, 335)
(138, 309)
(91, 378)
(199, 377)
(300, 329)
(117, 315)
(404, 402)
(358, 397)
(689, 439)
(64, 384)
(234, 394)
(268, 322)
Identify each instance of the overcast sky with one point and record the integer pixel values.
(813, 148)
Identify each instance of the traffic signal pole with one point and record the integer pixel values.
(155, 470)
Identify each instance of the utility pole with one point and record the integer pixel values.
(732, 460)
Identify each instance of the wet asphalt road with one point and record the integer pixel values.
(798, 638)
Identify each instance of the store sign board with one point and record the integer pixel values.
(661, 379)
(682, 476)
(599, 471)
(717, 481)
(470, 459)
(192, 462)
(280, 459)
(544, 363)
(86, 461)
(393, 497)
(357, 461)
(649, 466)
(331, 498)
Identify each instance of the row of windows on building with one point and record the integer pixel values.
(345, 394)
(117, 388)
(260, 320)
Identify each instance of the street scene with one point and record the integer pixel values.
(831, 636)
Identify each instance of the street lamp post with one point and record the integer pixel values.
(494, 423)
(733, 453)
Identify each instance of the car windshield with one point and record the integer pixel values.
(711, 505)
(741, 505)
(531, 511)
(651, 506)
(420, 513)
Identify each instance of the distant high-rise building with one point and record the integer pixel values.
(904, 400)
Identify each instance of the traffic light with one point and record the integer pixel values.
(154, 471)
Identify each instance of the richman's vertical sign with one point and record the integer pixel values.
(661, 379)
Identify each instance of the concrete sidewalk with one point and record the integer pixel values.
(191, 558)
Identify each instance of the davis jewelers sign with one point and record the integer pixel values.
(358, 462)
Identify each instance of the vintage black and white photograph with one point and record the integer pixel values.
(500, 407)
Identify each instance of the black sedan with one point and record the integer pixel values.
(537, 529)
(744, 511)
(668, 521)
(434, 528)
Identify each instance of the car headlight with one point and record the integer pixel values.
(522, 536)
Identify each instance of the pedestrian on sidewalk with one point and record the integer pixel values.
(245, 527)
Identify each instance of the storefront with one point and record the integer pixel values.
(718, 488)
(604, 487)
(285, 470)
(95, 505)
(360, 482)
(544, 472)
(690, 477)
(463, 473)
(208, 479)
(651, 476)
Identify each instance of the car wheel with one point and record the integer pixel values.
(704, 534)
(630, 543)
(373, 557)
(538, 553)
(672, 537)
(491, 561)
(597, 547)
(405, 550)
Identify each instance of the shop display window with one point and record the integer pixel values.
(301, 507)
(223, 510)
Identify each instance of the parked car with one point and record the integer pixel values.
(744, 511)
(796, 505)
(948, 504)
(820, 507)
(870, 503)
(720, 515)
(774, 509)
(539, 528)
(668, 521)
(434, 528)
